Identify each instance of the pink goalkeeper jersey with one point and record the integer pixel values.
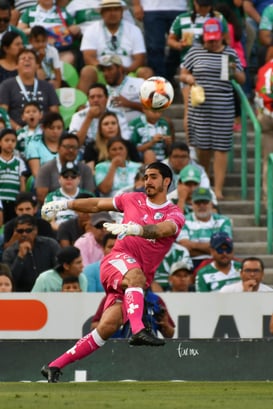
(138, 209)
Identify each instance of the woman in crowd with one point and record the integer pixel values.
(210, 124)
(108, 127)
(187, 30)
(41, 151)
(117, 172)
(11, 44)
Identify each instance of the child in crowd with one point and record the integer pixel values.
(42, 151)
(70, 285)
(12, 169)
(48, 56)
(152, 135)
(32, 131)
(6, 281)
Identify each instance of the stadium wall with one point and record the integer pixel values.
(218, 337)
(178, 360)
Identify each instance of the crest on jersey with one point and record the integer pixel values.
(158, 216)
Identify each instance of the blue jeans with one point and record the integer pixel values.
(156, 26)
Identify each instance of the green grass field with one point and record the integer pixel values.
(137, 395)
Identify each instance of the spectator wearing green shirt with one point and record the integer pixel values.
(200, 224)
(223, 269)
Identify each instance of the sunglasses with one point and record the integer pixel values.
(4, 20)
(70, 176)
(221, 250)
(28, 230)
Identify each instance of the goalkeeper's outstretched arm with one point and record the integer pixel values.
(91, 205)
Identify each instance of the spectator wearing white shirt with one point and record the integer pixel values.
(252, 274)
(112, 35)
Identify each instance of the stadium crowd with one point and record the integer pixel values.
(93, 57)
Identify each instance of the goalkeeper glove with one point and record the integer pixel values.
(122, 230)
(50, 209)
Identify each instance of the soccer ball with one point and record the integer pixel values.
(156, 93)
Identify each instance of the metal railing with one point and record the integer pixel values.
(247, 112)
(269, 203)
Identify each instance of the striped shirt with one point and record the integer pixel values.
(10, 173)
(176, 253)
(143, 132)
(201, 231)
(36, 15)
(209, 278)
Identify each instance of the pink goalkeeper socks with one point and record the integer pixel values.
(85, 346)
(134, 303)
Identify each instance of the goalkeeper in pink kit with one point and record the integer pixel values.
(150, 226)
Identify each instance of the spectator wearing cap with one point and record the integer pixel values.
(25, 203)
(252, 275)
(190, 178)
(30, 255)
(48, 176)
(176, 254)
(69, 189)
(223, 269)
(90, 243)
(92, 271)
(210, 124)
(112, 35)
(69, 264)
(70, 230)
(181, 277)
(123, 89)
(200, 224)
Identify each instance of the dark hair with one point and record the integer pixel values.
(68, 135)
(51, 117)
(5, 5)
(179, 145)
(32, 103)
(7, 131)
(66, 255)
(69, 280)
(163, 169)
(252, 259)
(6, 271)
(24, 197)
(25, 219)
(106, 237)
(231, 18)
(27, 51)
(6, 41)
(38, 31)
(116, 139)
(101, 86)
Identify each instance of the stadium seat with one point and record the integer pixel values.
(71, 100)
(69, 74)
